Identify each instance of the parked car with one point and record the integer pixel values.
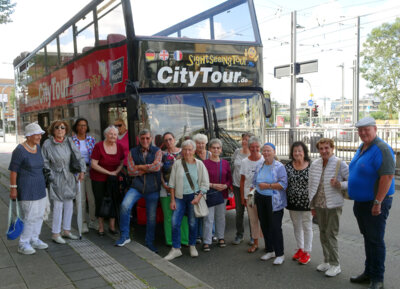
(346, 134)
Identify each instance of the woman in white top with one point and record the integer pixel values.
(324, 186)
(247, 170)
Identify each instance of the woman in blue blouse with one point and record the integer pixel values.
(270, 181)
(85, 143)
(27, 183)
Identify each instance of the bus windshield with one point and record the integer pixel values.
(230, 21)
(232, 113)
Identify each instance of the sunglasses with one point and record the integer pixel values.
(118, 125)
(59, 127)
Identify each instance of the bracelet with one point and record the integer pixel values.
(13, 186)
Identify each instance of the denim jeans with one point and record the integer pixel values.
(131, 197)
(373, 230)
(184, 207)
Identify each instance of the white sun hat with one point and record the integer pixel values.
(33, 128)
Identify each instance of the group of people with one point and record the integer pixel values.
(180, 177)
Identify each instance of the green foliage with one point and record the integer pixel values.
(6, 9)
(381, 62)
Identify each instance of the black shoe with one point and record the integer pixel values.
(375, 285)
(361, 279)
(113, 232)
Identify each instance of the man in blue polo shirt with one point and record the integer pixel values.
(371, 186)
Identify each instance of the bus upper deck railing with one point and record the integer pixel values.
(346, 140)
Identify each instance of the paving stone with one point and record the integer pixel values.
(61, 260)
(75, 267)
(164, 282)
(82, 274)
(90, 283)
(10, 278)
(5, 260)
(145, 273)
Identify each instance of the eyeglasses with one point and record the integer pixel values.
(59, 127)
(118, 125)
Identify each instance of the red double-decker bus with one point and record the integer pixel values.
(116, 59)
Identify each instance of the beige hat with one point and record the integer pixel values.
(33, 128)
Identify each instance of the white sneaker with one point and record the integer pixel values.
(26, 249)
(85, 228)
(323, 267)
(193, 252)
(59, 240)
(268, 256)
(174, 253)
(39, 244)
(279, 260)
(333, 271)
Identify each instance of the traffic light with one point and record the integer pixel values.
(315, 110)
(308, 112)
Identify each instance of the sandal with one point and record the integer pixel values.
(252, 249)
(206, 248)
(221, 243)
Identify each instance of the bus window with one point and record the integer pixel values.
(181, 114)
(110, 20)
(227, 27)
(200, 30)
(66, 45)
(57, 114)
(39, 64)
(237, 112)
(85, 37)
(52, 55)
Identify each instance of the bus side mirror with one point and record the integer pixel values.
(267, 107)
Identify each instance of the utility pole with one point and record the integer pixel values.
(293, 80)
(342, 114)
(356, 96)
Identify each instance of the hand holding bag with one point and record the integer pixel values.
(201, 208)
(16, 226)
(215, 197)
(74, 163)
(251, 198)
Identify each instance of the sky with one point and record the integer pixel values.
(327, 33)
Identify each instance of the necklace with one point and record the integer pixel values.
(31, 148)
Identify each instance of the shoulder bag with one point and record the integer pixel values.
(344, 192)
(74, 164)
(215, 197)
(201, 208)
(15, 226)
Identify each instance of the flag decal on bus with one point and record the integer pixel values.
(178, 55)
(150, 55)
(164, 55)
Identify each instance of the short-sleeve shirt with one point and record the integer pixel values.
(29, 169)
(367, 167)
(248, 169)
(109, 162)
(238, 157)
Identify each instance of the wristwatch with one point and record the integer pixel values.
(376, 202)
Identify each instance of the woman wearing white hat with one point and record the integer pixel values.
(27, 183)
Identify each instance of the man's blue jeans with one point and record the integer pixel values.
(373, 230)
(131, 197)
(184, 207)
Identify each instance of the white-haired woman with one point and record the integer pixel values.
(107, 160)
(201, 141)
(188, 182)
(219, 172)
(28, 185)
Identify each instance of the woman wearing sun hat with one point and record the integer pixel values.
(27, 183)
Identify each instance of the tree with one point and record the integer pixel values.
(6, 9)
(381, 63)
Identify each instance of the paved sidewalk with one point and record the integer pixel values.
(92, 262)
